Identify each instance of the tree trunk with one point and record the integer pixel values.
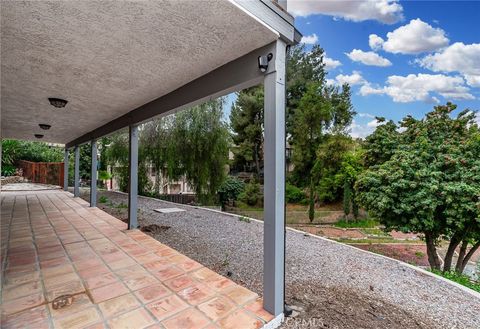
(157, 180)
(461, 256)
(433, 259)
(355, 209)
(257, 162)
(454, 242)
(469, 255)
(311, 210)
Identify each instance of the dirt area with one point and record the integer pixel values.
(332, 285)
(408, 253)
(336, 308)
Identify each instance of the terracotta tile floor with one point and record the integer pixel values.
(53, 244)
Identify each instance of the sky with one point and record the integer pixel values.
(400, 57)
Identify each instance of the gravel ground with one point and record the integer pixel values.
(336, 285)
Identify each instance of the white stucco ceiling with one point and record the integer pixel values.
(109, 57)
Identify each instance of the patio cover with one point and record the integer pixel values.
(121, 63)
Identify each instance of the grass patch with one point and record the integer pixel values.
(375, 231)
(374, 241)
(362, 223)
(103, 199)
(459, 278)
(244, 219)
(293, 216)
(121, 206)
(419, 254)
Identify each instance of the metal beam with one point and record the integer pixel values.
(236, 75)
(93, 175)
(274, 185)
(65, 170)
(275, 16)
(76, 176)
(133, 177)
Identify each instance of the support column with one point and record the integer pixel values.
(93, 175)
(76, 176)
(133, 177)
(65, 171)
(274, 185)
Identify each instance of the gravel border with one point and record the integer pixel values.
(224, 243)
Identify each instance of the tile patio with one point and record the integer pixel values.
(53, 244)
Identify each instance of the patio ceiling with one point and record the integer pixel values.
(107, 57)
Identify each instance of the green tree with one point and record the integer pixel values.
(201, 148)
(328, 165)
(15, 150)
(321, 111)
(246, 121)
(303, 68)
(431, 183)
(351, 167)
(156, 138)
(117, 156)
(382, 143)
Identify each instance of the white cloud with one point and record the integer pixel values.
(368, 58)
(420, 87)
(366, 115)
(458, 57)
(472, 80)
(367, 89)
(375, 42)
(385, 11)
(358, 130)
(353, 79)
(309, 39)
(331, 63)
(375, 123)
(330, 82)
(415, 37)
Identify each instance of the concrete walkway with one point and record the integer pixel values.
(54, 245)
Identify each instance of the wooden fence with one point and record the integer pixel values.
(179, 198)
(43, 172)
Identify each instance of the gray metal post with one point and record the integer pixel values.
(93, 175)
(65, 170)
(274, 185)
(76, 176)
(133, 177)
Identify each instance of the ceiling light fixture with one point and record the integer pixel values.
(38, 135)
(57, 102)
(44, 126)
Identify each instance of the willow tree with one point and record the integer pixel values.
(116, 155)
(200, 144)
(156, 140)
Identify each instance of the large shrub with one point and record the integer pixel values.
(8, 170)
(293, 194)
(230, 189)
(251, 195)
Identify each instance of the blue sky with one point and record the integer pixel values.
(420, 53)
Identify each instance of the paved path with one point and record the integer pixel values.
(54, 245)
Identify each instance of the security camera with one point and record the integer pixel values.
(263, 62)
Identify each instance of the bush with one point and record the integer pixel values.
(251, 194)
(293, 194)
(8, 170)
(363, 223)
(230, 189)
